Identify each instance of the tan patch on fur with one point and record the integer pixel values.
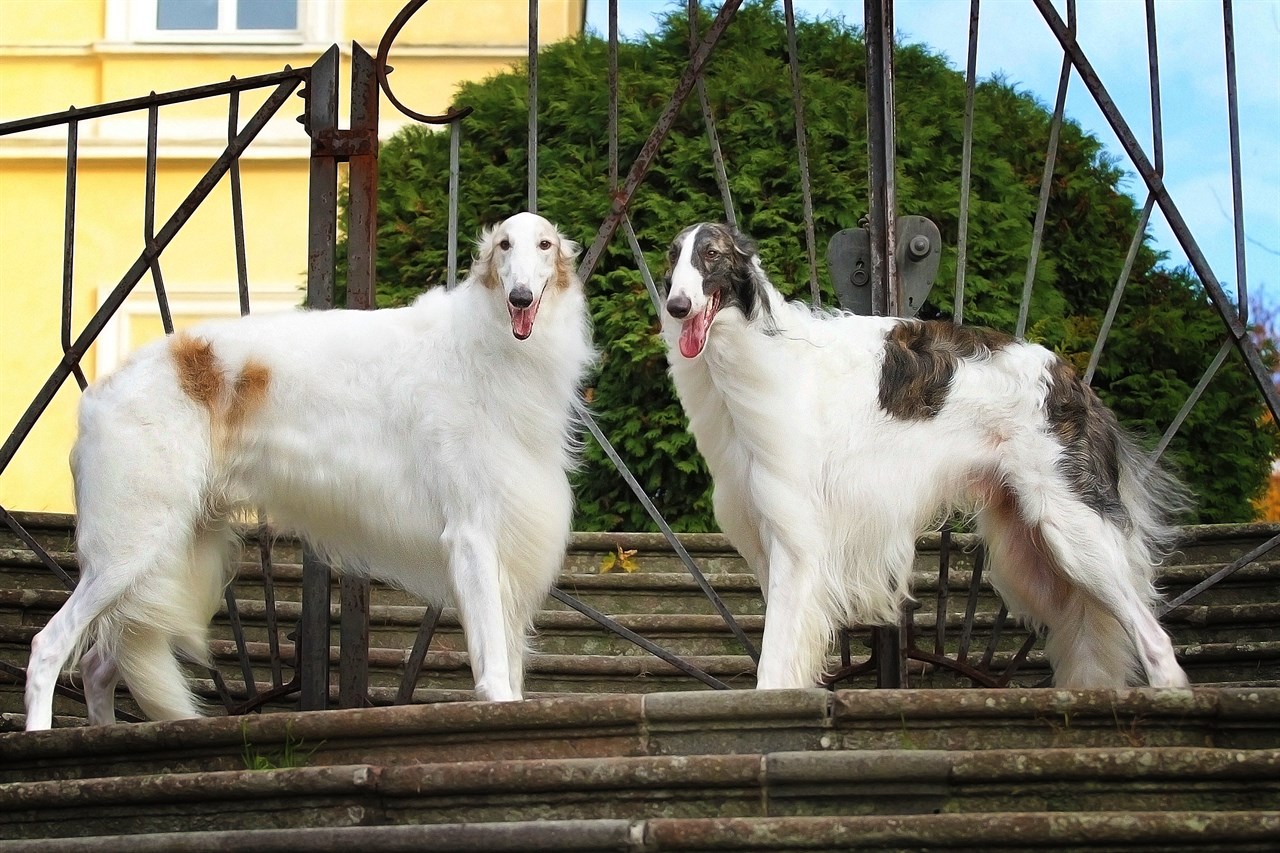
(564, 271)
(197, 367)
(247, 393)
(203, 379)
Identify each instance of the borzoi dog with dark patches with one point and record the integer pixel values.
(425, 446)
(834, 440)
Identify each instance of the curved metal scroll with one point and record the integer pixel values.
(381, 69)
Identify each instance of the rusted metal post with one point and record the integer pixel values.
(886, 295)
(362, 228)
(312, 648)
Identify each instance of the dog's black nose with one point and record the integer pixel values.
(678, 307)
(521, 297)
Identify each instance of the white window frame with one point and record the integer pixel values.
(134, 21)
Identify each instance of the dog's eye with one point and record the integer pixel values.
(504, 245)
(544, 245)
(712, 254)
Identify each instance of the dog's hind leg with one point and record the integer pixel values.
(477, 592)
(52, 648)
(1085, 645)
(101, 675)
(1068, 569)
(1090, 550)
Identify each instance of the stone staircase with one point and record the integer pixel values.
(618, 751)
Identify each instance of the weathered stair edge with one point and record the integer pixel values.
(663, 724)
(1201, 831)
(780, 784)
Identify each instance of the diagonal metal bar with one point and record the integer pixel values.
(997, 628)
(1157, 142)
(69, 244)
(802, 153)
(269, 597)
(1018, 659)
(626, 633)
(971, 607)
(421, 645)
(644, 160)
(149, 218)
(130, 279)
(1139, 235)
(966, 164)
(36, 548)
(709, 121)
(1046, 181)
(643, 265)
(944, 582)
(1155, 184)
(1233, 129)
(177, 96)
(676, 544)
(1220, 574)
(1192, 399)
(237, 207)
(242, 648)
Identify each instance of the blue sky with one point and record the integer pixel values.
(1014, 41)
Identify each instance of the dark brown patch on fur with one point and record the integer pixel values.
(247, 393)
(198, 372)
(920, 358)
(1089, 433)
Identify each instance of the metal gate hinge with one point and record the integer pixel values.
(919, 252)
(344, 144)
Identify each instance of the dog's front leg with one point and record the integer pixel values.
(473, 573)
(794, 647)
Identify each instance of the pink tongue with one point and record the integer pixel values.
(522, 321)
(693, 334)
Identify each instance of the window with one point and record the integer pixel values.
(226, 16)
(265, 22)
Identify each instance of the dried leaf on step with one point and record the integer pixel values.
(619, 560)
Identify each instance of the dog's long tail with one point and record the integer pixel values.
(1154, 498)
(166, 619)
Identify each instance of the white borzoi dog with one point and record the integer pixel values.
(834, 440)
(426, 446)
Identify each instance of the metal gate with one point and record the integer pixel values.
(309, 658)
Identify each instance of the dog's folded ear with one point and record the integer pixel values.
(483, 269)
(742, 243)
(569, 249)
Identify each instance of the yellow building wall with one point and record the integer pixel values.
(59, 53)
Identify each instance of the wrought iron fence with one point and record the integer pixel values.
(892, 646)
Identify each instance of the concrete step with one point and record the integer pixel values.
(659, 724)
(965, 833)
(747, 785)
(568, 632)
(446, 675)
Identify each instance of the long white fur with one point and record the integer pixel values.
(426, 446)
(824, 494)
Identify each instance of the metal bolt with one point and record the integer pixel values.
(918, 248)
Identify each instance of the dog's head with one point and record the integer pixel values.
(710, 267)
(523, 257)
